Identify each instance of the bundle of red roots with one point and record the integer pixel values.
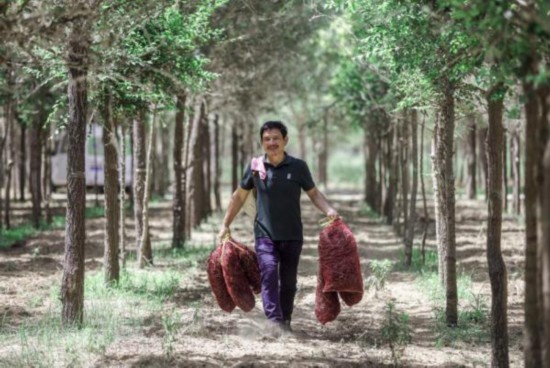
(339, 271)
(234, 275)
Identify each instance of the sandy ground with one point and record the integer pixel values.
(219, 339)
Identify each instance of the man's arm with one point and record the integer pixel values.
(235, 204)
(321, 202)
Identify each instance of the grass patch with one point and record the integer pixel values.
(368, 212)
(22, 232)
(95, 212)
(188, 256)
(25, 231)
(110, 314)
(473, 311)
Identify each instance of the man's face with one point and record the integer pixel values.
(273, 142)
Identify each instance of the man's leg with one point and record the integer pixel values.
(288, 270)
(268, 259)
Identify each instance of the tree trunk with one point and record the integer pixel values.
(140, 169)
(424, 204)
(195, 195)
(123, 194)
(371, 157)
(112, 204)
(72, 286)
(178, 203)
(516, 177)
(217, 166)
(302, 134)
(444, 175)
(497, 268)
(23, 161)
(186, 172)
(504, 171)
(483, 157)
(409, 238)
(391, 168)
(46, 179)
(35, 186)
(323, 154)
(146, 251)
(207, 165)
(404, 148)
(10, 150)
(544, 219)
(532, 344)
(234, 157)
(471, 161)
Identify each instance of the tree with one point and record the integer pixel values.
(72, 286)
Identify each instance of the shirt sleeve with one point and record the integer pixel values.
(247, 181)
(307, 179)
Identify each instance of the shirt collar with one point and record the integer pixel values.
(285, 161)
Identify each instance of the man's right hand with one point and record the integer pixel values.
(224, 231)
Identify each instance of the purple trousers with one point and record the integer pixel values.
(279, 269)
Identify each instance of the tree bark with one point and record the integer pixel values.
(140, 169)
(112, 204)
(444, 175)
(46, 178)
(483, 157)
(10, 150)
(504, 171)
(23, 161)
(72, 285)
(497, 268)
(391, 168)
(207, 165)
(516, 177)
(195, 195)
(186, 171)
(234, 157)
(123, 194)
(178, 202)
(409, 238)
(323, 154)
(471, 161)
(532, 346)
(423, 187)
(544, 219)
(217, 166)
(371, 157)
(404, 148)
(146, 251)
(35, 174)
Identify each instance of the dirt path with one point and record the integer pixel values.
(211, 338)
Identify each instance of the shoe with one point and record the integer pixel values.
(285, 326)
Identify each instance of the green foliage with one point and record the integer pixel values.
(380, 271)
(396, 331)
(473, 315)
(22, 232)
(95, 212)
(171, 325)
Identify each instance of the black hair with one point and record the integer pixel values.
(268, 125)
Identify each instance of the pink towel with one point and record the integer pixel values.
(257, 164)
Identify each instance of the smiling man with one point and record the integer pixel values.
(279, 180)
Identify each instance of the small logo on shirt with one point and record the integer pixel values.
(288, 176)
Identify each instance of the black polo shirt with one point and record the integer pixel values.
(278, 213)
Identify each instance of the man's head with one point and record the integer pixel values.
(269, 125)
(273, 136)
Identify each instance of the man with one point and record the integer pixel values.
(278, 224)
